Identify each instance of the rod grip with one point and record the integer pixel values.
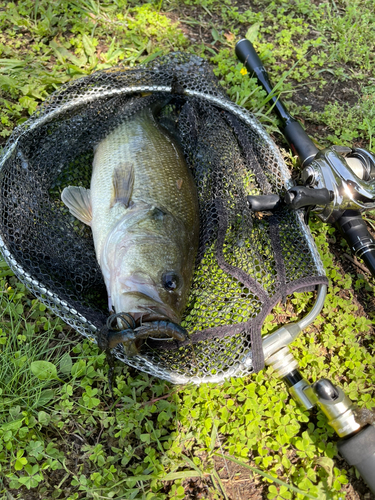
(355, 231)
(247, 55)
(299, 141)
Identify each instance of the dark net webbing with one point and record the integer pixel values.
(246, 262)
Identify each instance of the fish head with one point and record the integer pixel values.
(150, 269)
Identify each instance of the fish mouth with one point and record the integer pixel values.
(145, 309)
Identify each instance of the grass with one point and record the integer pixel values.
(59, 436)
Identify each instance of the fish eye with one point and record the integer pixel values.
(170, 281)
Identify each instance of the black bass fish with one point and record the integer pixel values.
(142, 207)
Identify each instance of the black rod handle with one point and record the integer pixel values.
(361, 243)
(247, 55)
(299, 141)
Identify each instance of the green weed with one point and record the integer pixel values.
(42, 47)
(59, 435)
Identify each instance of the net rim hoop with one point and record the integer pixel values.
(220, 101)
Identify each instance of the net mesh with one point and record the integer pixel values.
(246, 262)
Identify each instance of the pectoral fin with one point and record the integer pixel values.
(78, 200)
(123, 182)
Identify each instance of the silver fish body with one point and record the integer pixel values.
(142, 207)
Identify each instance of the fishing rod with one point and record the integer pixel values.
(336, 183)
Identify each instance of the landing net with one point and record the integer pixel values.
(246, 263)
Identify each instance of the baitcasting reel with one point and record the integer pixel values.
(335, 180)
(338, 182)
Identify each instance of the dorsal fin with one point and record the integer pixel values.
(78, 200)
